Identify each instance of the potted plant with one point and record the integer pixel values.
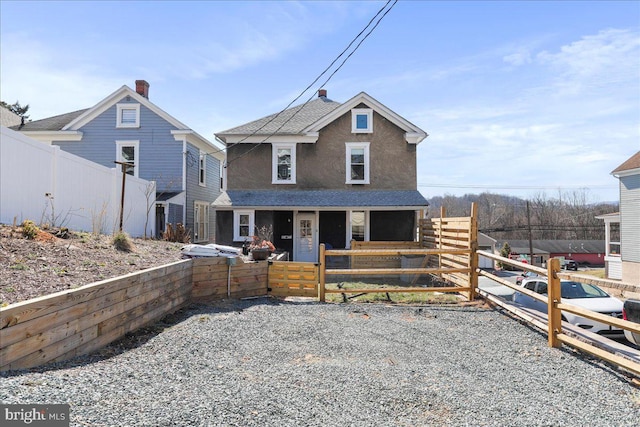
(261, 246)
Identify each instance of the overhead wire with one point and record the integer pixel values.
(266, 138)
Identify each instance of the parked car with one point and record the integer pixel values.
(582, 295)
(525, 275)
(570, 264)
(631, 312)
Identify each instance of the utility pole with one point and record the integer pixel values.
(529, 228)
(125, 166)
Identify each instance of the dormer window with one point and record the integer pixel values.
(128, 115)
(362, 120)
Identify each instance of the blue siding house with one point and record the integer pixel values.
(127, 127)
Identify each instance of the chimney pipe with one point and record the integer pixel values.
(322, 93)
(142, 87)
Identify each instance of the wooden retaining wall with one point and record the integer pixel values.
(70, 323)
(211, 279)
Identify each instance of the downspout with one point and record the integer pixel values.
(184, 180)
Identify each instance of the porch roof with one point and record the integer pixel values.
(277, 199)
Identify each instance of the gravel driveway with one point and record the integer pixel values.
(267, 362)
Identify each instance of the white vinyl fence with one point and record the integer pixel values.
(42, 183)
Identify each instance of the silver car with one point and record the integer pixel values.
(583, 295)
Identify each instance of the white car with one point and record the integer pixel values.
(582, 295)
(631, 312)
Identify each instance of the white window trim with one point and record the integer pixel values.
(236, 225)
(274, 163)
(197, 205)
(136, 160)
(354, 120)
(202, 165)
(128, 106)
(349, 146)
(366, 226)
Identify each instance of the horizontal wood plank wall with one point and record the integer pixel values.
(449, 233)
(75, 322)
(293, 279)
(364, 262)
(210, 279)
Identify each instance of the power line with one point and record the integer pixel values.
(315, 80)
(520, 187)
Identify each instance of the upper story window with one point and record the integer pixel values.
(202, 169)
(128, 152)
(283, 164)
(243, 223)
(362, 120)
(128, 115)
(357, 162)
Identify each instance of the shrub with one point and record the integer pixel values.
(29, 229)
(122, 242)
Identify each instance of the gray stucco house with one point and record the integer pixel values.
(127, 127)
(321, 172)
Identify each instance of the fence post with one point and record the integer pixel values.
(473, 255)
(554, 293)
(322, 267)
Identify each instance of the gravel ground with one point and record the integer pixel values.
(268, 362)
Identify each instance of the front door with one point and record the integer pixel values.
(306, 245)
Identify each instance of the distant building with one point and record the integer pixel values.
(622, 229)
(585, 252)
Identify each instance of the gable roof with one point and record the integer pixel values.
(413, 133)
(305, 121)
(291, 121)
(630, 167)
(50, 123)
(68, 125)
(8, 118)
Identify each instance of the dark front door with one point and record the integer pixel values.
(160, 221)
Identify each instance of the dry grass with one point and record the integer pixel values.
(397, 297)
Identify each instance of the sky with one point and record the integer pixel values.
(524, 98)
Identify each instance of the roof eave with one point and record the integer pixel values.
(54, 135)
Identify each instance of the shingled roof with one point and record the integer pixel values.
(325, 198)
(632, 162)
(291, 121)
(50, 123)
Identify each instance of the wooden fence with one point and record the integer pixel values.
(446, 246)
(293, 279)
(74, 322)
(555, 306)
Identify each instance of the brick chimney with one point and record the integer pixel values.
(322, 93)
(142, 87)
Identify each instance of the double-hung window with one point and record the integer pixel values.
(357, 162)
(243, 225)
(358, 226)
(202, 169)
(362, 120)
(283, 163)
(128, 152)
(201, 221)
(128, 115)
